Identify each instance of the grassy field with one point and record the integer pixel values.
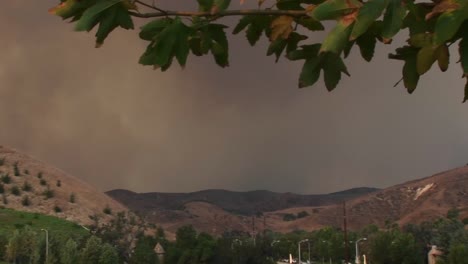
(11, 220)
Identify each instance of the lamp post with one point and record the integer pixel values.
(299, 249)
(47, 244)
(358, 260)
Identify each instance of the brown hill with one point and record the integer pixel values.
(243, 203)
(411, 202)
(49, 190)
(218, 211)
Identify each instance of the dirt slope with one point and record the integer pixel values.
(42, 177)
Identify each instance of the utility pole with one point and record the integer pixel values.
(47, 245)
(253, 229)
(345, 233)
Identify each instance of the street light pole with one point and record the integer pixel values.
(358, 260)
(47, 244)
(299, 249)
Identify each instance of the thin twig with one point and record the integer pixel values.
(295, 13)
(151, 6)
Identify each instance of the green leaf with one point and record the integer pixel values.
(393, 18)
(106, 25)
(220, 45)
(306, 51)
(172, 41)
(443, 57)
(348, 48)
(243, 23)
(277, 47)
(415, 19)
(310, 72)
(123, 18)
(368, 13)
(421, 40)
(448, 24)
(153, 28)
(256, 26)
(205, 5)
(426, 57)
(410, 74)
(463, 50)
(337, 39)
(289, 5)
(333, 9)
(466, 91)
(333, 66)
(366, 45)
(220, 5)
(310, 23)
(89, 17)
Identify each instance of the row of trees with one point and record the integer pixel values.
(28, 246)
(111, 243)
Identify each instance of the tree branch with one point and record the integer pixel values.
(267, 12)
(150, 6)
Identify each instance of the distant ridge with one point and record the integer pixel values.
(244, 203)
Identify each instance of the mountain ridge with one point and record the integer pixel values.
(242, 202)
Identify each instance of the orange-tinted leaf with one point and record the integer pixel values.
(281, 27)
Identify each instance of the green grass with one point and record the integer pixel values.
(11, 220)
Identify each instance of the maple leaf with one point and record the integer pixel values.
(281, 27)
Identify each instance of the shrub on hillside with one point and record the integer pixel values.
(57, 209)
(289, 217)
(72, 198)
(2, 161)
(59, 183)
(48, 193)
(2, 188)
(6, 179)
(26, 172)
(43, 182)
(16, 169)
(107, 210)
(27, 187)
(39, 175)
(15, 190)
(26, 201)
(302, 214)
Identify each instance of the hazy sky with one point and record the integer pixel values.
(100, 116)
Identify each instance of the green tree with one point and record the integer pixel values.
(458, 254)
(144, 251)
(109, 255)
(433, 25)
(69, 253)
(22, 246)
(92, 250)
(3, 245)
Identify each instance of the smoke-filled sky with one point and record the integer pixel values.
(100, 116)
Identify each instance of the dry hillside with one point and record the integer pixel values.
(411, 202)
(31, 185)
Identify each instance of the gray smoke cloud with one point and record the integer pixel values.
(102, 117)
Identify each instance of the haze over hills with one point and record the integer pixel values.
(244, 203)
(218, 211)
(49, 190)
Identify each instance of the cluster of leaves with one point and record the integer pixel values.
(433, 25)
